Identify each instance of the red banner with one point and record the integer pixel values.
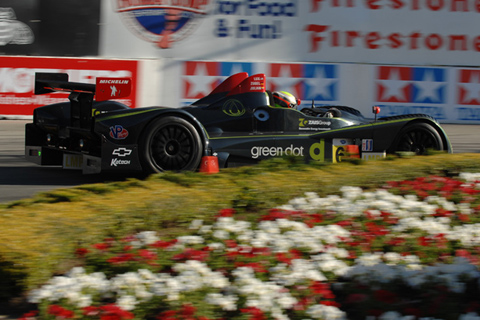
(17, 76)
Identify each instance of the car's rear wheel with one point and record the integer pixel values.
(170, 143)
(418, 138)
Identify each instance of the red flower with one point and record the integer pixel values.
(275, 214)
(121, 258)
(114, 312)
(191, 254)
(256, 314)
(91, 311)
(188, 310)
(322, 289)
(226, 213)
(167, 315)
(29, 315)
(330, 303)
(164, 244)
(60, 312)
(81, 252)
(231, 243)
(424, 241)
(101, 246)
(147, 254)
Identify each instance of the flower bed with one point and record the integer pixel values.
(409, 250)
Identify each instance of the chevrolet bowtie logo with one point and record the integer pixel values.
(122, 152)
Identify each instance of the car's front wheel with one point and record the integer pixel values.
(418, 138)
(170, 143)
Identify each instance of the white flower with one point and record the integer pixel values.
(147, 237)
(323, 312)
(127, 302)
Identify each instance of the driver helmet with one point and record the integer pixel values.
(283, 99)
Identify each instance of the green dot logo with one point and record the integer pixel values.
(233, 108)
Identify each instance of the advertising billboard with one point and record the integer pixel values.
(17, 77)
(448, 94)
(49, 27)
(416, 32)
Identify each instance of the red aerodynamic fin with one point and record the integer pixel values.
(255, 83)
(231, 82)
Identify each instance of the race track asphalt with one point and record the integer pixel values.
(20, 179)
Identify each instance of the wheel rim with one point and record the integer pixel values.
(172, 147)
(418, 141)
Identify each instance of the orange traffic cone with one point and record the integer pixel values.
(209, 164)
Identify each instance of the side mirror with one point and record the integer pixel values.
(376, 110)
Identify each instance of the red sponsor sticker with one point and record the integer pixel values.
(112, 88)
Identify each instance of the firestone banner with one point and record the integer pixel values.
(415, 32)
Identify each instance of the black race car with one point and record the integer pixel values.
(236, 123)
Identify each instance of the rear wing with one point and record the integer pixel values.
(104, 89)
(82, 94)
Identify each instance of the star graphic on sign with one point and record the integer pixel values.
(284, 81)
(200, 83)
(428, 87)
(319, 85)
(394, 86)
(472, 88)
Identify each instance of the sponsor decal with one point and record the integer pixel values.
(373, 155)
(122, 152)
(118, 132)
(233, 108)
(314, 125)
(162, 22)
(339, 148)
(317, 151)
(107, 88)
(119, 162)
(367, 144)
(13, 31)
(341, 142)
(258, 151)
(72, 161)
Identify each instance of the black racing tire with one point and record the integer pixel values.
(170, 144)
(418, 137)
